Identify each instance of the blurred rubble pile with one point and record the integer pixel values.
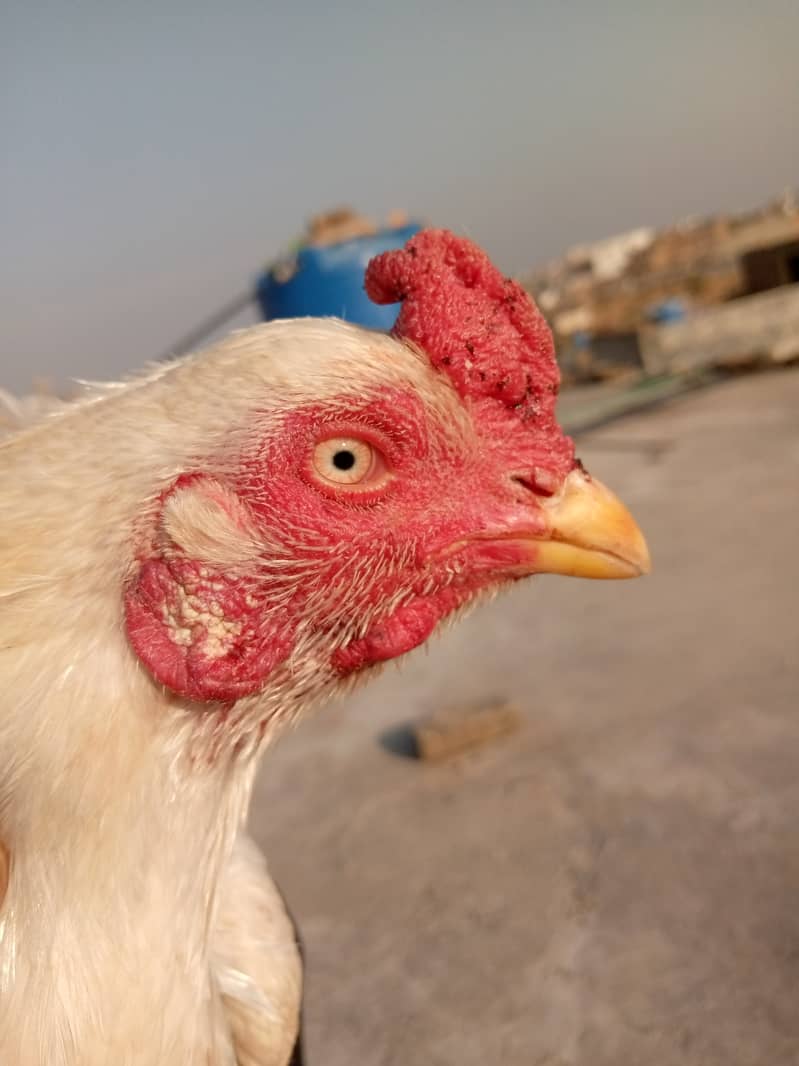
(715, 292)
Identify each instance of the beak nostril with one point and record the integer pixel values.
(538, 481)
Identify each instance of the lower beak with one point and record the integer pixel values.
(590, 534)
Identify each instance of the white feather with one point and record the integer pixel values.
(131, 931)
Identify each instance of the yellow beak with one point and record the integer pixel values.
(591, 534)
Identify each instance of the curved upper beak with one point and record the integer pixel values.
(590, 533)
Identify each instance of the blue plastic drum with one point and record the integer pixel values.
(325, 281)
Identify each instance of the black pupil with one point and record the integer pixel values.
(343, 460)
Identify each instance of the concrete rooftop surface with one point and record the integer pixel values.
(618, 883)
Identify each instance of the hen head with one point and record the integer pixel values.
(371, 486)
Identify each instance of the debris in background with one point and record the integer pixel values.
(345, 224)
(454, 731)
(340, 224)
(714, 292)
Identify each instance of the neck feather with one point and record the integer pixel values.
(119, 808)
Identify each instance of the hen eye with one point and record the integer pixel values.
(346, 461)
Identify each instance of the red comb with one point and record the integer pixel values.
(479, 327)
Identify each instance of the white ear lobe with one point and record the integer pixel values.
(211, 524)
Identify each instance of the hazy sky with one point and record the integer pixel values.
(155, 155)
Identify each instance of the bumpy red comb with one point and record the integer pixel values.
(479, 327)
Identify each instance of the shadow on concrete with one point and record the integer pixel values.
(400, 740)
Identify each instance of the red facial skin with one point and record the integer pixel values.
(427, 530)
(366, 576)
